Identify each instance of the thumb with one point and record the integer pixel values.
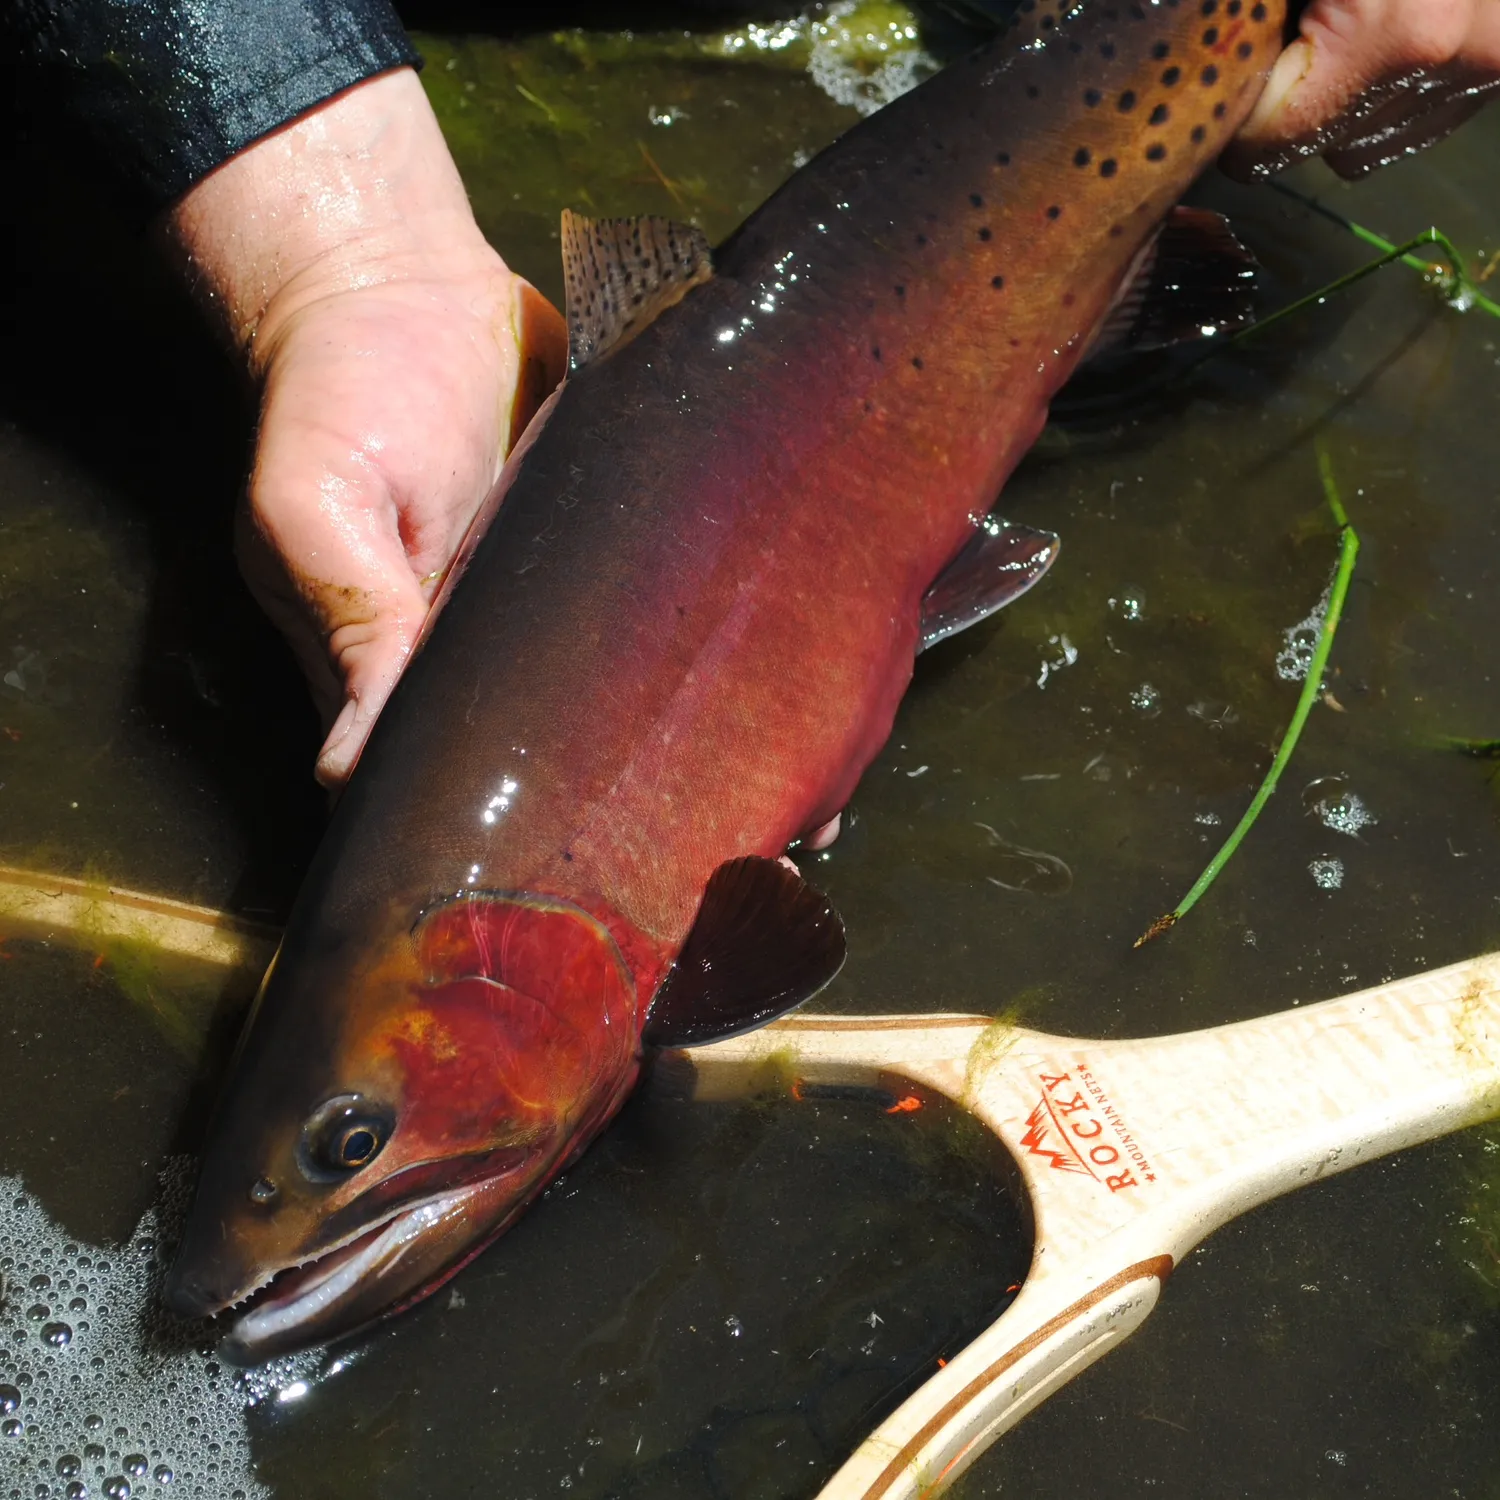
(335, 579)
(1350, 58)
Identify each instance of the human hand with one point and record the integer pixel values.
(398, 359)
(1368, 81)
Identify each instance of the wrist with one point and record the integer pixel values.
(357, 192)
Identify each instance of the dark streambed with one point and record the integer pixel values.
(1345, 1341)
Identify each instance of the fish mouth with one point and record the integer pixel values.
(355, 1283)
(384, 1265)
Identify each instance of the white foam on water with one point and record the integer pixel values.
(128, 1401)
(1294, 660)
(861, 53)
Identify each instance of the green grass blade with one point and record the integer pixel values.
(1338, 590)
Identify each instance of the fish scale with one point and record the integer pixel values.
(675, 639)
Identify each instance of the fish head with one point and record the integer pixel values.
(386, 1118)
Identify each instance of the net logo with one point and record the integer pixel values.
(1075, 1128)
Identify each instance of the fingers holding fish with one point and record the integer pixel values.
(384, 421)
(398, 358)
(1368, 81)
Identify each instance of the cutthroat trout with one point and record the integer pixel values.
(677, 635)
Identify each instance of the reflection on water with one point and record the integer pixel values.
(715, 1302)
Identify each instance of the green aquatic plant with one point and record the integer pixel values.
(1459, 289)
(1312, 688)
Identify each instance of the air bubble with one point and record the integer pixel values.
(69, 1466)
(1327, 874)
(12, 1427)
(58, 1335)
(76, 1490)
(163, 1474)
(93, 1452)
(93, 1422)
(118, 1487)
(1146, 699)
(10, 1398)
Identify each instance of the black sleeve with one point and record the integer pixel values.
(165, 90)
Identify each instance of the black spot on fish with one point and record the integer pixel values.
(1032, 91)
(568, 853)
(1220, 110)
(1211, 36)
(1055, 212)
(1075, 47)
(1244, 49)
(1209, 76)
(984, 233)
(1199, 135)
(916, 361)
(1081, 157)
(1048, 22)
(875, 353)
(1171, 76)
(921, 239)
(976, 200)
(998, 282)
(1258, 13)
(1161, 50)
(1160, 115)
(1210, 6)
(900, 291)
(1091, 97)
(869, 406)
(1233, 8)
(1107, 50)
(1137, 13)
(1158, 152)
(1003, 157)
(1108, 167)
(1127, 101)
(1116, 230)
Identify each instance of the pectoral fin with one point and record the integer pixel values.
(1000, 562)
(763, 942)
(1196, 281)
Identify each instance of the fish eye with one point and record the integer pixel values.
(343, 1135)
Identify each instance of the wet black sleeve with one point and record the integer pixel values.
(165, 90)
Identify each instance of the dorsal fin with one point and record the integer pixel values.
(763, 942)
(621, 273)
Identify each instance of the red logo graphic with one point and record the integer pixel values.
(1080, 1145)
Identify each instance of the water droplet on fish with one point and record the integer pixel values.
(59, 1335)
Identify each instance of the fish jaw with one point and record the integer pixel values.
(487, 1048)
